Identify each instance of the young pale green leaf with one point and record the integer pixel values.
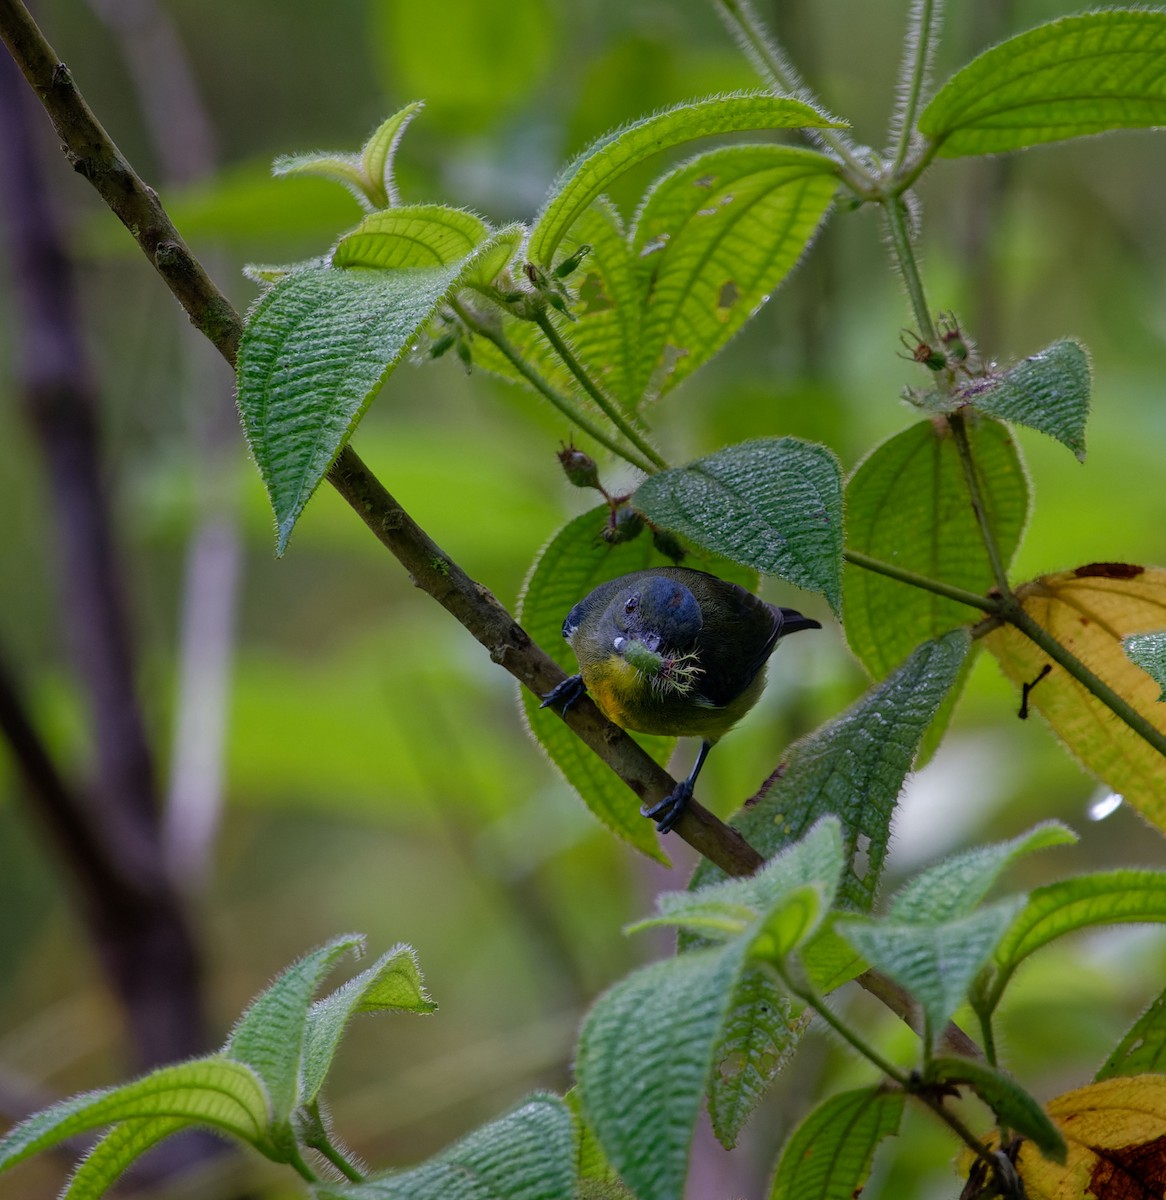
(1148, 651)
(575, 561)
(271, 1034)
(1013, 1106)
(1048, 392)
(955, 886)
(341, 168)
(526, 1155)
(935, 963)
(854, 767)
(611, 156)
(377, 154)
(774, 504)
(1101, 898)
(828, 1156)
(784, 929)
(116, 1152)
(493, 256)
(712, 240)
(1071, 77)
(907, 505)
(596, 1178)
(423, 236)
(1143, 1049)
(759, 1035)
(211, 1091)
(644, 1057)
(392, 984)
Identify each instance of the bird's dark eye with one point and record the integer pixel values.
(631, 604)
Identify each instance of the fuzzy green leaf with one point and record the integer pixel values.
(955, 886)
(1148, 651)
(1071, 77)
(907, 505)
(571, 565)
(1013, 1106)
(392, 984)
(828, 1156)
(595, 1175)
(116, 1152)
(526, 1155)
(1048, 392)
(271, 1034)
(774, 504)
(935, 963)
(644, 1057)
(341, 168)
(611, 156)
(377, 154)
(854, 767)
(1143, 1049)
(1101, 898)
(211, 1091)
(712, 240)
(424, 236)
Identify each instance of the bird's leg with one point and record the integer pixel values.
(564, 694)
(668, 811)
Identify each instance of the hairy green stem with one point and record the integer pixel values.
(561, 402)
(896, 217)
(565, 353)
(961, 1131)
(773, 66)
(921, 39)
(296, 1160)
(337, 1158)
(961, 595)
(959, 431)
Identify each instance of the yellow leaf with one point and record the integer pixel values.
(1089, 611)
(1116, 1133)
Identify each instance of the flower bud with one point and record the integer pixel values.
(579, 468)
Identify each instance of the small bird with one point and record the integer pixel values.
(673, 651)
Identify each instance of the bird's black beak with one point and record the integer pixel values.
(792, 621)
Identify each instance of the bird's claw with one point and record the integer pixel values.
(668, 811)
(564, 694)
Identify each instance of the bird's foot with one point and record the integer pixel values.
(668, 811)
(564, 694)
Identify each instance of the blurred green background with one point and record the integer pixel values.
(376, 774)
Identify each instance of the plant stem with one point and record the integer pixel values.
(561, 402)
(772, 65)
(921, 39)
(957, 1127)
(896, 215)
(961, 595)
(296, 1160)
(959, 432)
(321, 1143)
(544, 322)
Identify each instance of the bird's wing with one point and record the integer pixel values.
(737, 639)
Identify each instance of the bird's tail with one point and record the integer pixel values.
(792, 621)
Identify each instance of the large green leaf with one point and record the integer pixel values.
(1048, 392)
(1013, 1106)
(774, 504)
(270, 1035)
(643, 1060)
(1143, 1049)
(611, 156)
(116, 1152)
(936, 963)
(571, 565)
(955, 886)
(320, 343)
(907, 504)
(854, 767)
(392, 984)
(526, 1155)
(712, 240)
(1071, 77)
(1148, 651)
(828, 1156)
(212, 1091)
(422, 235)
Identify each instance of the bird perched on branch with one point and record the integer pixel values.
(673, 651)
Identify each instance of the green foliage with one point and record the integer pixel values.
(1071, 77)
(774, 504)
(602, 163)
(906, 504)
(1148, 651)
(526, 1155)
(828, 1156)
(1143, 1048)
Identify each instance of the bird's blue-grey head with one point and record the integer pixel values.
(657, 612)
